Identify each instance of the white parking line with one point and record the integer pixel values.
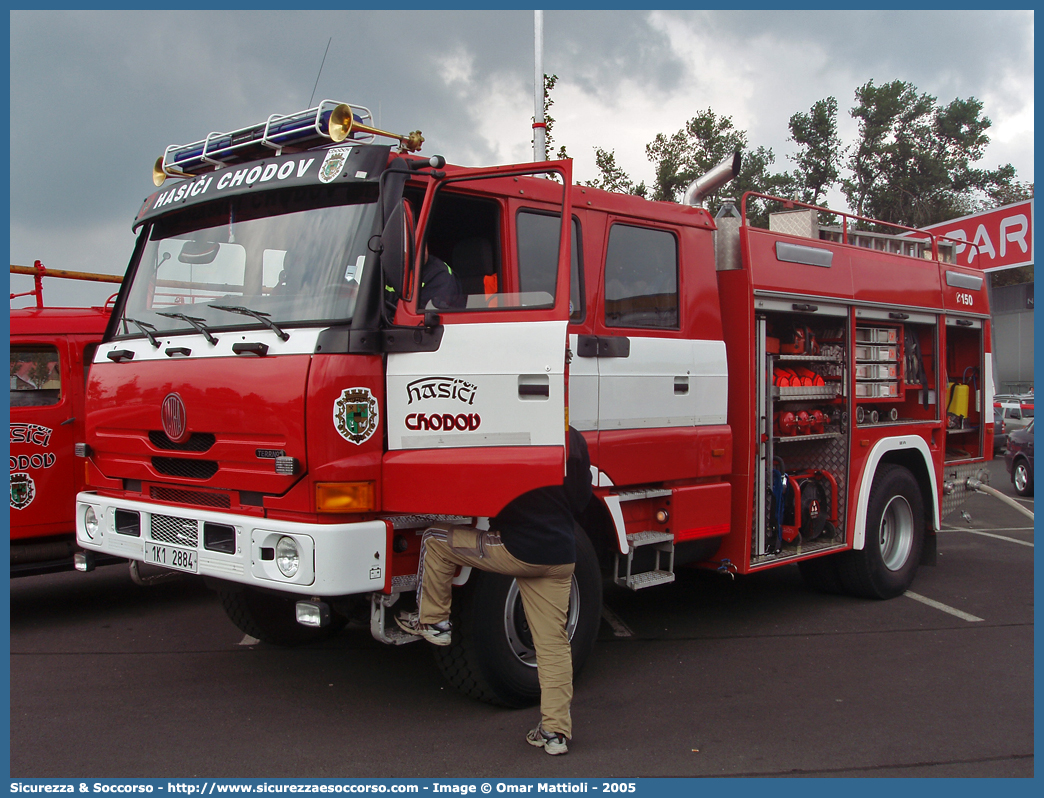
(619, 627)
(249, 641)
(940, 606)
(999, 537)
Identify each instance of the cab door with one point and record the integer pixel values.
(46, 390)
(480, 417)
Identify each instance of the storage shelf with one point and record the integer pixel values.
(803, 392)
(822, 436)
(806, 358)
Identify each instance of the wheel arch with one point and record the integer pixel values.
(912, 453)
(602, 531)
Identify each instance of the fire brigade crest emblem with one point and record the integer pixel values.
(23, 490)
(355, 414)
(333, 163)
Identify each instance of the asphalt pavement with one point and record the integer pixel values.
(710, 676)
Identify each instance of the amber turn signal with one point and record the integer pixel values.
(345, 497)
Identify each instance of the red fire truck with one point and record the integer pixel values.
(273, 410)
(51, 350)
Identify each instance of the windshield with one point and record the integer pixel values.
(292, 259)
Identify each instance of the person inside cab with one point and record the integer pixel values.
(440, 289)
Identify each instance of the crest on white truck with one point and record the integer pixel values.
(355, 414)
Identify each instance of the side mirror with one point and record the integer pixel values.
(397, 246)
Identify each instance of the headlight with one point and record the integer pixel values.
(90, 522)
(288, 558)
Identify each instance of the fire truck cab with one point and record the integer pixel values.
(51, 352)
(279, 407)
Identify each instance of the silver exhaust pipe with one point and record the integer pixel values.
(702, 187)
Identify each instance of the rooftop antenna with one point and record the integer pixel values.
(320, 71)
(539, 125)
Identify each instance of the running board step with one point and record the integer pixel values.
(663, 544)
(643, 493)
(382, 622)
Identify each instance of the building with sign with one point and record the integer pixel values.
(1003, 241)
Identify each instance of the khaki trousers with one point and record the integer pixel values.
(544, 590)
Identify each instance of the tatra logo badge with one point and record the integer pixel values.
(174, 417)
(23, 490)
(355, 414)
(333, 164)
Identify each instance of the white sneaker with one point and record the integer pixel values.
(553, 744)
(438, 633)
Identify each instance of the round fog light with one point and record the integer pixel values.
(90, 522)
(287, 556)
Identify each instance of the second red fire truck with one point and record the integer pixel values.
(51, 351)
(273, 410)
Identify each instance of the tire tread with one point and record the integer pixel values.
(858, 570)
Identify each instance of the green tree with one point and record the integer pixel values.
(612, 178)
(706, 140)
(818, 159)
(549, 122)
(1007, 191)
(914, 161)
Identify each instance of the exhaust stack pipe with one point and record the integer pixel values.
(702, 187)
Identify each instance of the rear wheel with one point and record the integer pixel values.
(271, 618)
(886, 565)
(491, 657)
(1022, 478)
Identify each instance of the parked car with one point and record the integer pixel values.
(1024, 400)
(1018, 459)
(1008, 416)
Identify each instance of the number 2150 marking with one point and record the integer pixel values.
(965, 299)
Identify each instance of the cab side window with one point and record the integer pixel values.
(538, 258)
(463, 238)
(36, 379)
(641, 278)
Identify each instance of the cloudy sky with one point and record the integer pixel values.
(97, 96)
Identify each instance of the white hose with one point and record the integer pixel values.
(977, 485)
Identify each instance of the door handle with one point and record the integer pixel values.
(534, 386)
(681, 386)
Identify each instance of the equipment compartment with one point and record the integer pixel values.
(902, 391)
(963, 392)
(804, 452)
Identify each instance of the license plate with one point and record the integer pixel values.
(171, 557)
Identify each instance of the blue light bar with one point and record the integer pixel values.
(301, 131)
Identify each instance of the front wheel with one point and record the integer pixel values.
(1022, 478)
(887, 563)
(491, 657)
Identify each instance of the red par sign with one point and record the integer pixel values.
(1004, 237)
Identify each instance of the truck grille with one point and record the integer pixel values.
(198, 498)
(189, 469)
(197, 441)
(179, 531)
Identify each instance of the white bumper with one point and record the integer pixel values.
(335, 559)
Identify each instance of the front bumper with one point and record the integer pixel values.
(335, 559)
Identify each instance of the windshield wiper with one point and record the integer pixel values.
(146, 329)
(256, 314)
(195, 322)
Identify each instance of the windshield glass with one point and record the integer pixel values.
(292, 258)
